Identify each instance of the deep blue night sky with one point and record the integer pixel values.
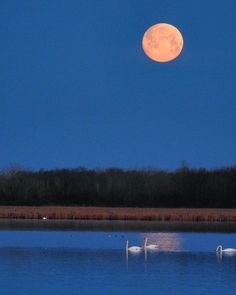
(77, 90)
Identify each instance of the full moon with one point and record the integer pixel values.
(162, 42)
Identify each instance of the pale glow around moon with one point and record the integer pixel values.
(162, 42)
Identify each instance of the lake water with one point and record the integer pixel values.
(48, 259)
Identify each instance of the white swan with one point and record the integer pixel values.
(150, 246)
(133, 248)
(219, 249)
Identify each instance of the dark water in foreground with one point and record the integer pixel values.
(82, 261)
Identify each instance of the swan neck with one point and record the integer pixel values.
(145, 243)
(219, 248)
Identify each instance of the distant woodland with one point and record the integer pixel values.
(196, 188)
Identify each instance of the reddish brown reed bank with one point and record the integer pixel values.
(107, 213)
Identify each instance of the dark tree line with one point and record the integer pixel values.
(116, 187)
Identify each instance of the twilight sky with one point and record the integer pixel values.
(76, 88)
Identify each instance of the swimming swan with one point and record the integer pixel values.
(133, 248)
(150, 246)
(226, 250)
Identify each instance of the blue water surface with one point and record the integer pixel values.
(95, 262)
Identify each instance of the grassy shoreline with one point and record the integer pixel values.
(110, 213)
